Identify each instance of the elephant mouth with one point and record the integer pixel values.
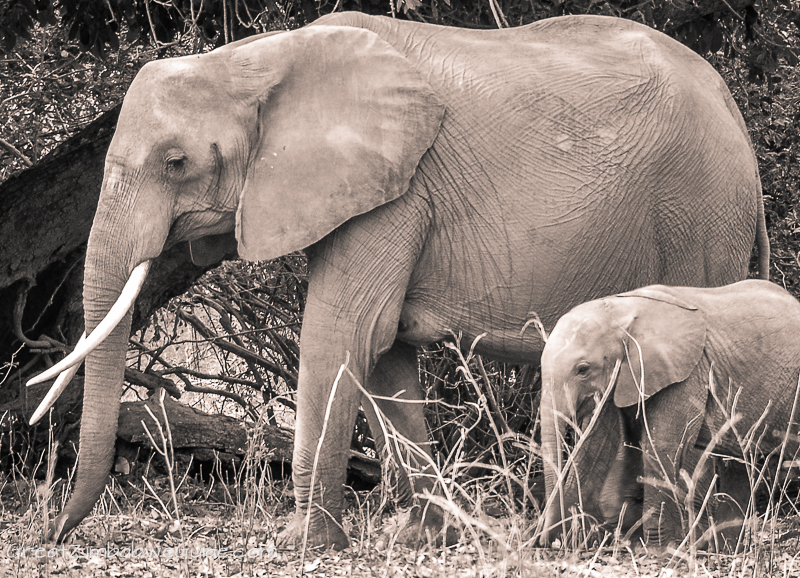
(198, 224)
(583, 413)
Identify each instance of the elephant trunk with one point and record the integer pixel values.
(114, 249)
(101, 399)
(559, 496)
(597, 480)
(102, 390)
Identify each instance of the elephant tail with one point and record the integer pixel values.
(762, 239)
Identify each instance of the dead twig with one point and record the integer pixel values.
(235, 349)
(16, 152)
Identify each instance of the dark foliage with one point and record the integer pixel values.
(766, 30)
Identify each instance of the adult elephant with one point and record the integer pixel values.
(442, 180)
(684, 371)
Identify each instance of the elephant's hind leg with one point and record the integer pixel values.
(401, 430)
(670, 427)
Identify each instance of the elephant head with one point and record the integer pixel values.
(636, 343)
(277, 139)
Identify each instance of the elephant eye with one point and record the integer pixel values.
(176, 163)
(582, 369)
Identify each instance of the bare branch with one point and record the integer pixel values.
(151, 381)
(228, 394)
(236, 349)
(224, 313)
(14, 151)
(177, 370)
(45, 344)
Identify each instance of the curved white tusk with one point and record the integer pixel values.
(59, 386)
(104, 328)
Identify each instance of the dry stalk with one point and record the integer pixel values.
(167, 452)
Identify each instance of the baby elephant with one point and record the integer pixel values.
(680, 371)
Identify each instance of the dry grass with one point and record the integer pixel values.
(170, 524)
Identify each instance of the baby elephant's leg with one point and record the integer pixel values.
(732, 500)
(621, 495)
(670, 426)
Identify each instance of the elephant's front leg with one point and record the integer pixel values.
(595, 484)
(327, 403)
(621, 496)
(399, 426)
(671, 422)
(356, 290)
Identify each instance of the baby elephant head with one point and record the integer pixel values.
(650, 339)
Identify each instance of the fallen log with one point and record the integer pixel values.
(202, 436)
(209, 437)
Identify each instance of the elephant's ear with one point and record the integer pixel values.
(664, 334)
(343, 121)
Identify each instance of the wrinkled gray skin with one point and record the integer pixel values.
(743, 335)
(442, 180)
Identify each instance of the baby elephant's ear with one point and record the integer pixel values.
(343, 121)
(665, 336)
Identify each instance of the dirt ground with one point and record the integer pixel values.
(217, 540)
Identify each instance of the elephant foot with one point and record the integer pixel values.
(417, 526)
(55, 529)
(322, 534)
(626, 524)
(723, 535)
(719, 533)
